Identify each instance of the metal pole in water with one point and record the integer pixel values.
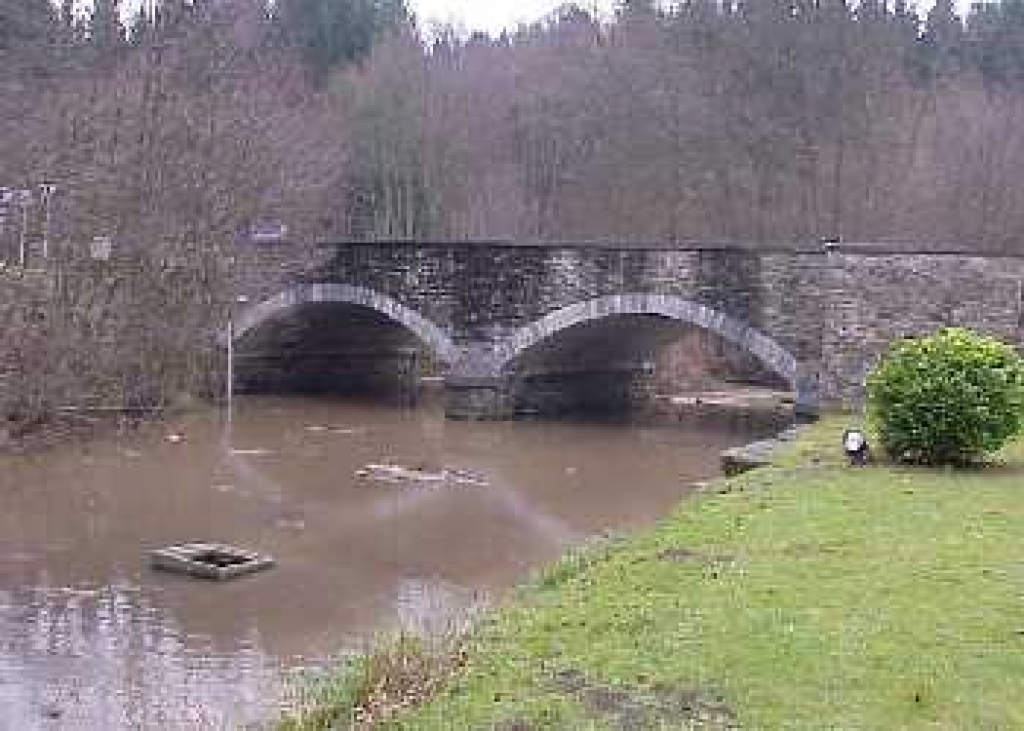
(230, 386)
(22, 243)
(231, 366)
(48, 191)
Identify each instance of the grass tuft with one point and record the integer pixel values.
(397, 675)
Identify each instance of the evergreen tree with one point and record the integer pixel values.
(625, 8)
(995, 39)
(24, 24)
(328, 33)
(105, 30)
(943, 41)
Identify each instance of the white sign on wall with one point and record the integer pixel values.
(100, 248)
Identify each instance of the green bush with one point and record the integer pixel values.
(949, 398)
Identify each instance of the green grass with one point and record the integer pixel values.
(808, 596)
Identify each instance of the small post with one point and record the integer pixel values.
(22, 241)
(414, 379)
(231, 366)
(230, 386)
(48, 191)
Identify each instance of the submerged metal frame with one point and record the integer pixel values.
(199, 560)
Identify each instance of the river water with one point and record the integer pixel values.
(92, 638)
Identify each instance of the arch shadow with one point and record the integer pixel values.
(776, 358)
(430, 334)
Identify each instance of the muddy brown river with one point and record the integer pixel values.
(92, 638)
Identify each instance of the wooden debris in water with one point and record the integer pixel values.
(396, 474)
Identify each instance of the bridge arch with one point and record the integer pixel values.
(776, 358)
(256, 315)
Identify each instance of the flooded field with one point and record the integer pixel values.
(376, 517)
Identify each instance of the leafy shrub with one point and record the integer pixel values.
(949, 398)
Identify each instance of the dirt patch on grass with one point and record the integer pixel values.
(685, 555)
(516, 724)
(810, 550)
(629, 708)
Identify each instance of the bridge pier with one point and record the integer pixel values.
(807, 406)
(806, 409)
(478, 398)
(616, 388)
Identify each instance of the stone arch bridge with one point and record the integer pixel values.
(488, 313)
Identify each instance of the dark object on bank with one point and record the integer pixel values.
(856, 446)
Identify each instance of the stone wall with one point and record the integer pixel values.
(870, 301)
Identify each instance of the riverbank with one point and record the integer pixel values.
(60, 430)
(83, 425)
(89, 349)
(802, 595)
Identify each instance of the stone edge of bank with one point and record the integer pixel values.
(762, 453)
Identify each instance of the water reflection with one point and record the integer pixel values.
(110, 659)
(90, 638)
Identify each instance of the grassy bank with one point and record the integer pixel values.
(808, 596)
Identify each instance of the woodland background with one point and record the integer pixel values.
(758, 122)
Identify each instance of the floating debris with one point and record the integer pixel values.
(175, 438)
(396, 474)
(78, 591)
(213, 561)
(251, 452)
(18, 557)
(292, 524)
(345, 431)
